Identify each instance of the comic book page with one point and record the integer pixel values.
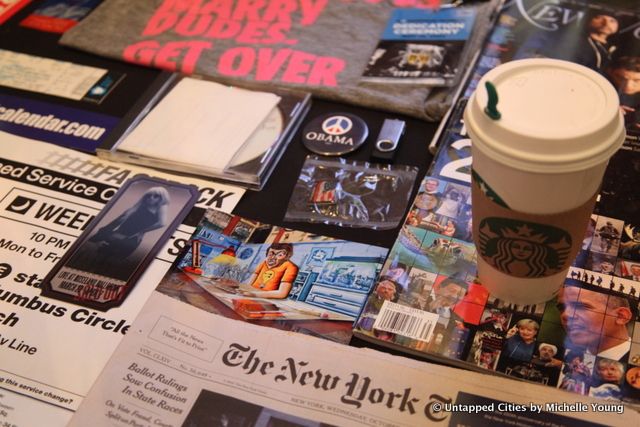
(277, 277)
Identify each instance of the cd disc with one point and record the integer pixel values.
(261, 139)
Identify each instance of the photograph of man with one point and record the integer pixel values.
(385, 290)
(431, 187)
(398, 272)
(273, 278)
(442, 301)
(546, 356)
(607, 236)
(576, 372)
(487, 359)
(604, 267)
(596, 49)
(445, 295)
(624, 73)
(634, 271)
(596, 322)
(544, 366)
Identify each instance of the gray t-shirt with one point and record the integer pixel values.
(321, 46)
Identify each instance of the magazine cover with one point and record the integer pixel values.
(596, 36)
(427, 300)
(282, 278)
(421, 46)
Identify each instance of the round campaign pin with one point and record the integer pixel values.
(335, 134)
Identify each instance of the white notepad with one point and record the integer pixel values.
(200, 122)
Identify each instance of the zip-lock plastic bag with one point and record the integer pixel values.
(351, 193)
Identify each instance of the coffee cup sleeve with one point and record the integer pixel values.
(526, 245)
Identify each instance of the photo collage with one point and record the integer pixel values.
(587, 340)
(610, 256)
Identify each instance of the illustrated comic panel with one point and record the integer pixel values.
(283, 278)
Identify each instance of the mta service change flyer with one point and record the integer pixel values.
(52, 351)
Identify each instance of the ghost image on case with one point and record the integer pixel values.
(103, 264)
(122, 236)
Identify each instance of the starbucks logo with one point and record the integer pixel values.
(523, 249)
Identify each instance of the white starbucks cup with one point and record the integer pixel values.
(537, 169)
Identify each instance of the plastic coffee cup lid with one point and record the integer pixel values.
(555, 116)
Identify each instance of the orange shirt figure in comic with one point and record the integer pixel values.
(274, 277)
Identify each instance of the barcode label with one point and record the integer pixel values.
(406, 321)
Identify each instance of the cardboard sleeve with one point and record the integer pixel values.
(526, 245)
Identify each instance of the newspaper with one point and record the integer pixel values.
(184, 366)
(52, 351)
(428, 300)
